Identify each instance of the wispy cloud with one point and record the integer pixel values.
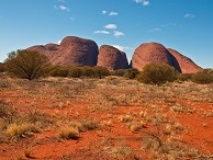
(123, 48)
(118, 34)
(64, 8)
(189, 15)
(102, 32)
(110, 26)
(113, 14)
(144, 2)
(104, 12)
(155, 30)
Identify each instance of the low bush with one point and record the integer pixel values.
(57, 71)
(203, 77)
(119, 72)
(75, 72)
(101, 72)
(184, 77)
(131, 73)
(156, 73)
(88, 72)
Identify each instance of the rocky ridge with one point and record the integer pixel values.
(76, 51)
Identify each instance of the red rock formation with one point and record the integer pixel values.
(186, 64)
(73, 51)
(152, 53)
(112, 58)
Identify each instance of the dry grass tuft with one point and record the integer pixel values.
(16, 131)
(68, 132)
(88, 124)
(126, 118)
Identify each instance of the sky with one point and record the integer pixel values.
(184, 25)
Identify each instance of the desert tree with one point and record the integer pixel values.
(27, 64)
(157, 73)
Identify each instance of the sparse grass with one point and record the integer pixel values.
(100, 107)
(107, 123)
(158, 118)
(38, 118)
(68, 132)
(89, 124)
(77, 125)
(149, 112)
(6, 110)
(126, 118)
(136, 126)
(121, 152)
(16, 131)
(5, 84)
(178, 128)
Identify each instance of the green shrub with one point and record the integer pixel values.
(27, 64)
(57, 71)
(75, 72)
(184, 76)
(157, 73)
(203, 77)
(119, 72)
(51, 71)
(101, 72)
(131, 73)
(62, 72)
(88, 72)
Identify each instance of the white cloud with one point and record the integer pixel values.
(113, 14)
(64, 8)
(122, 48)
(102, 32)
(155, 30)
(104, 12)
(110, 26)
(144, 2)
(188, 15)
(59, 42)
(118, 34)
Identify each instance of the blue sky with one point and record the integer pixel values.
(185, 25)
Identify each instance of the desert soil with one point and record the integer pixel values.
(125, 119)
